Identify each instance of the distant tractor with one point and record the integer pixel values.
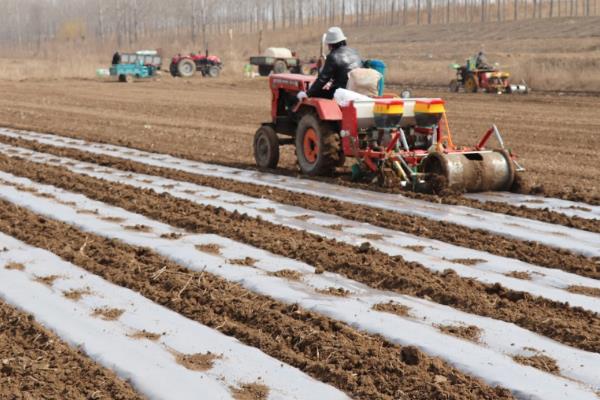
(488, 79)
(187, 66)
(277, 60)
(140, 65)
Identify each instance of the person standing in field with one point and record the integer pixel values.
(340, 61)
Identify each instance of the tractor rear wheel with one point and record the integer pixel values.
(471, 85)
(186, 68)
(266, 147)
(264, 70)
(317, 146)
(280, 67)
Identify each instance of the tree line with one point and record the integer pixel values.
(29, 24)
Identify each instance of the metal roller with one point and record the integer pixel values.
(473, 172)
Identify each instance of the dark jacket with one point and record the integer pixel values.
(337, 66)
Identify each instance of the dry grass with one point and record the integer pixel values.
(553, 54)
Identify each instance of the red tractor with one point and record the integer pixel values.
(393, 140)
(186, 66)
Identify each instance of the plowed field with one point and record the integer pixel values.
(157, 262)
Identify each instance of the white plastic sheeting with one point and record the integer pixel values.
(150, 366)
(577, 241)
(435, 255)
(489, 359)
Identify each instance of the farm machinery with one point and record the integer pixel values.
(187, 66)
(392, 140)
(140, 65)
(488, 79)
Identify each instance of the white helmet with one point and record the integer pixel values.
(334, 35)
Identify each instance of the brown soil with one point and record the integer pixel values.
(94, 111)
(588, 291)
(539, 361)
(251, 391)
(363, 366)
(76, 294)
(530, 252)
(398, 309)
(145, 335)
(138, 228)
(466, 261)
(470, 332)
(417, 248)
(209, 248)
(171, 236)
(36, 364)
(340, 292)
(108, 314)
(373, 236)
(247, 261)
(526, 276)
(47, 280)
(15, 266)
(287, 274)
(572, 326)
(197, 362)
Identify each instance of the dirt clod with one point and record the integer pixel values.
(143, 334)
(198, 361)
(209, 248)
(47, 280)
(539, 361)
(588, 291)
(15, 266)
(77, 294)
(287, 274)
(470, 332)
(251, 391)
(398, 309)
(526, 276)
(411, 355)
(108, 314)
(246, 261)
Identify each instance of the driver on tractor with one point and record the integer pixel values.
(340, 61)
(481, 61)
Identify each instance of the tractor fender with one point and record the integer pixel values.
(328, 110)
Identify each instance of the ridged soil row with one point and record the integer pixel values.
(36, 364)
(365, 367)
(569, 325)
(530, 252)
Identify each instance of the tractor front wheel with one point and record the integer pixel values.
(266, 147)
(280, 67)
(317, 146)
(453, 86)
(214, 71)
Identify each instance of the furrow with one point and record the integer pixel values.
(36, 364)
(558, 236)
(163, 354)
(573, 326)
(365, 366)
(187, 248)
(533, 253)
(435, 255)
(569, 208)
